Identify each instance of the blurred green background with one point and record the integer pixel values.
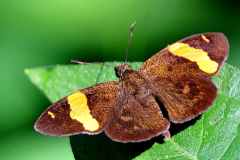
(37, 33)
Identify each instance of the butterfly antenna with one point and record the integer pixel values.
(130, 37)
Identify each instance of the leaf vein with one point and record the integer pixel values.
(202, 133)
(184, 151)
(229, 145)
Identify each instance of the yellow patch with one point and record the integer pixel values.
(51, 114)
(205, 38)
(80, 111)
(196, 55)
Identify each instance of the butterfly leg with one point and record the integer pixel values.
(166, 135)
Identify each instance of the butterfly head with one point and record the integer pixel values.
(121, 69)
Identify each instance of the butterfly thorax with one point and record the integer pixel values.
(132, 82)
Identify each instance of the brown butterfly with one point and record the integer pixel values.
(128, 110)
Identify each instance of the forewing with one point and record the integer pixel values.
(138, 120)
(198, 54)
(85, 111)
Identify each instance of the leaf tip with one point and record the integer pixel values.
(27, 71)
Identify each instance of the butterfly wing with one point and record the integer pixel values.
(139, 120)
(198, 54)
(180, 74)
(185, 97)
(85, 111)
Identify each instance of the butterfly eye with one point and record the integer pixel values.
(121, 69)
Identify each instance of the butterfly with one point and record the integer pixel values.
(129, 110)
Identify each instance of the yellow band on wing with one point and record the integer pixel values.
(51, 114)
(196, 55)
(80, 111)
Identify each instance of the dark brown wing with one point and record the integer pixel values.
(139, 120)
(185, 97)
(180, 74)
(85, 111)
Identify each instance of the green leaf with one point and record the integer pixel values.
(229, 81)
(216, 135)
